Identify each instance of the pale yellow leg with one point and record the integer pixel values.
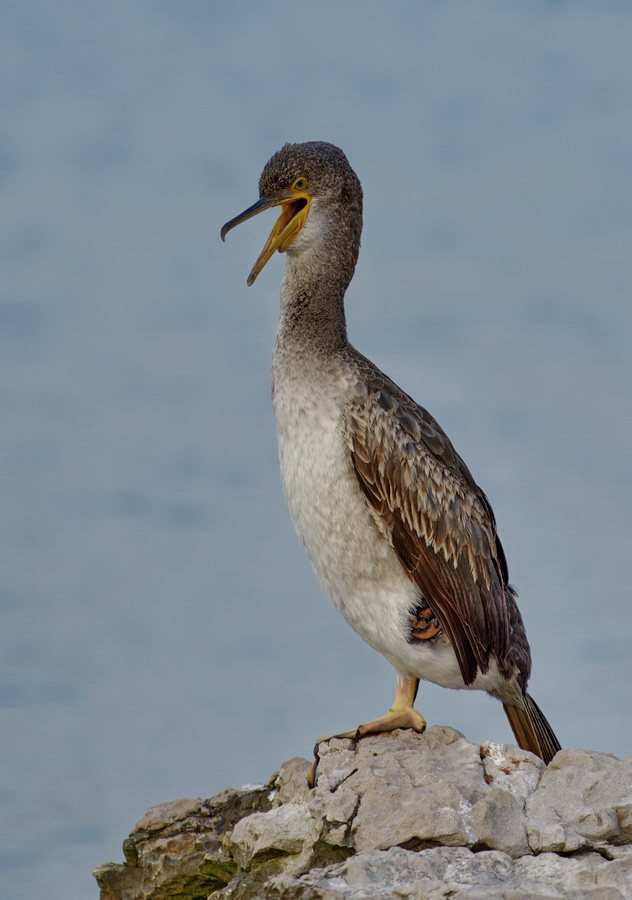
(401, 715)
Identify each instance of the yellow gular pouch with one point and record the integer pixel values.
(287, 226)
(294, 210)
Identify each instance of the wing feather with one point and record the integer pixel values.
(437, 519)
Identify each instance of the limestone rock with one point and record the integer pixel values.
(287, 830)
(176, 848)
(584, 800)
(397, 815)
(459, 874)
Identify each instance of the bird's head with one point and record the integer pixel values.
(299, 178)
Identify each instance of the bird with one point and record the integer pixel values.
(401, 537)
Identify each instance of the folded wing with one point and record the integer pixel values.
(439, 522)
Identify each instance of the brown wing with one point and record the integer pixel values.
(437, 519)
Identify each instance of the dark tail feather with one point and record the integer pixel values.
(531, 729)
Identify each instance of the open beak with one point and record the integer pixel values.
(287, 226)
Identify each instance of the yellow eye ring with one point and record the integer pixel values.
(300, 184)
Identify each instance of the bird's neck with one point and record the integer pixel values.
(312, 312)
(315, 280)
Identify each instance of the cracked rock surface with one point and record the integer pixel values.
(397, 815)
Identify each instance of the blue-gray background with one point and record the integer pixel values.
(162, 634)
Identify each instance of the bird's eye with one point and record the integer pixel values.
(300, 184)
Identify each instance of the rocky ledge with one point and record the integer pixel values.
(400, 815)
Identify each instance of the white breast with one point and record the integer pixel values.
(355, 565)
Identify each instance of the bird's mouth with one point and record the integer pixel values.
(294, 212)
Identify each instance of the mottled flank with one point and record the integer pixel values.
(424, 625)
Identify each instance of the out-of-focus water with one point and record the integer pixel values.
(162, 634)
